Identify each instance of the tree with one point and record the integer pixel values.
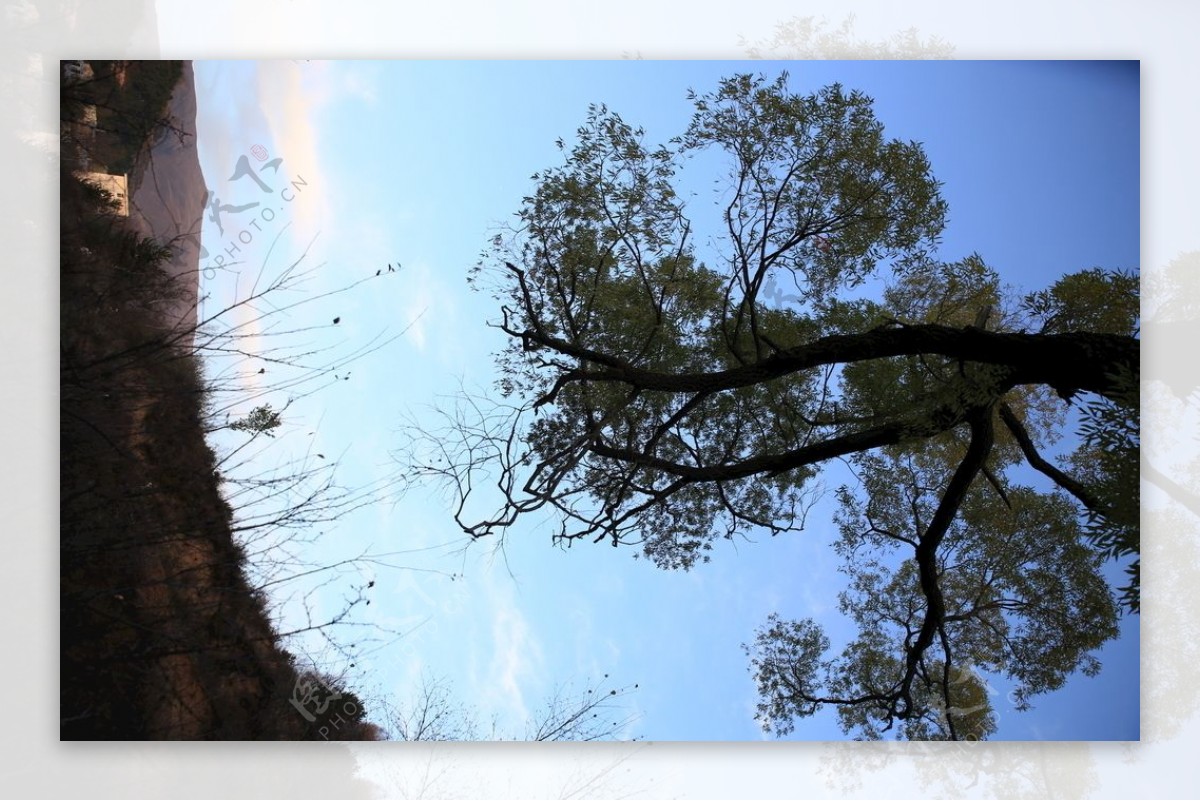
(667, 394)
(434, 715)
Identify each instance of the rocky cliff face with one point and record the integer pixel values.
(164, 631)
(167, 195)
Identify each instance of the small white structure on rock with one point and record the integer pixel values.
(115, 185)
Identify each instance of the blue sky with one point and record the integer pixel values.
(417, 163)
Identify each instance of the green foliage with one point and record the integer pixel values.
(1022, 591)
(1107, 463)
(786, 661)
(950, 294)
(793, 681)
(261, 420)
(1092, 300)
(819, 165)
(965, 705)
(608, 266)
(1107, 460)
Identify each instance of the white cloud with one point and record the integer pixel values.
(515, 659)
(291, 99)
(275, 105)
(419, 307)
(431, 312)
(45, 141)
(21, 14)
(357, 82)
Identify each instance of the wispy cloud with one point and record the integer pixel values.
(420, 302)
(514, 660)
(358, 80)
(432, 311)
(291, 100)
(273, 113)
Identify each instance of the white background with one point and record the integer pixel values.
(35, 36)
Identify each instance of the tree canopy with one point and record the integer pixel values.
(665, 392)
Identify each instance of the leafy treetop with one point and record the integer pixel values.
(661, 393)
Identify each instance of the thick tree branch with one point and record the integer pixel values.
(925, 425)
(1069, 363)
